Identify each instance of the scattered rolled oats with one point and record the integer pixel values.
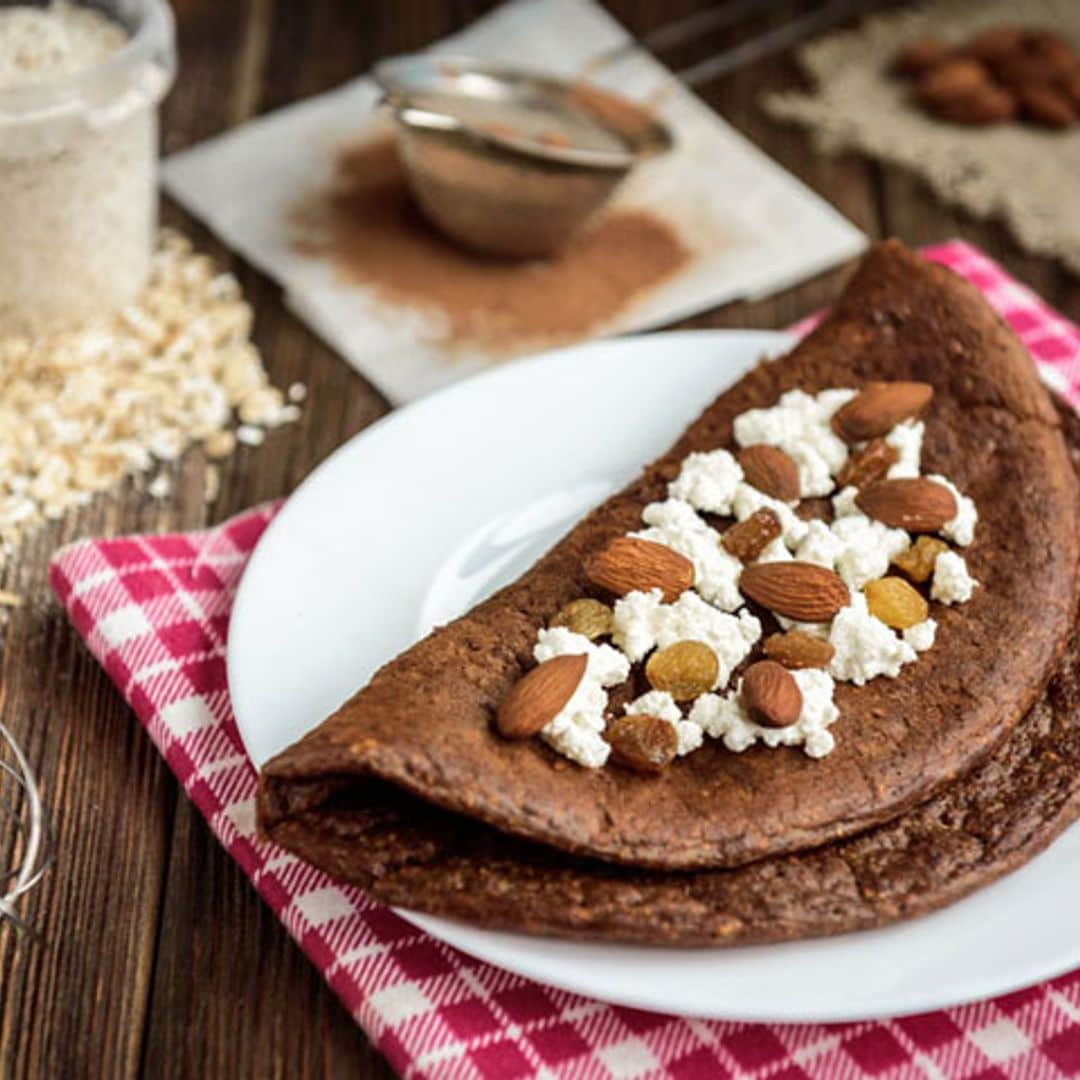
(250, 436)
(220, 444)
(211, 483)
(79, 411)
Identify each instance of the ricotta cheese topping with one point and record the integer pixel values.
(725, 718)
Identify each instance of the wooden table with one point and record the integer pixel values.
(156, 955)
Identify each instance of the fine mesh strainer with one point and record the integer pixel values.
(24, 844)
(511, 162)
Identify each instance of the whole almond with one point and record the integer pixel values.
(797, 590)
(953, 78)
(919, 56)
(749, 538)
(1052, 51)
(642, 743)
(1045, 106)
(770, 470)
(630, 564)
(989, 104)
(917, 504)
(1070, 87)
(771, 695)
(869, 465)
(879, 407)
(796, 649)
(990, 45)
(540, 695)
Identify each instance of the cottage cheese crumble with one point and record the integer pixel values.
(961, 530)
(708, 481)
(643, 622)
(799, 425)
(855, 546)
(748, 500)
(921, 636)
(577, 730)
(676, 525)
(725, 718)
(906, 439)
(867, 548)
(858, 548)
(661, 704)
(952, 583)
(865, 646)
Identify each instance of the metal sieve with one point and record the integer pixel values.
(512, 162)
(508, 161)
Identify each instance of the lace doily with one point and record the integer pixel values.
(1025, 175)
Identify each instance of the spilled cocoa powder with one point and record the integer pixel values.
(368, 227)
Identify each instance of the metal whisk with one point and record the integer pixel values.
(20, 803)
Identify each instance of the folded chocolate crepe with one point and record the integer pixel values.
(408, 853)
(413, 761)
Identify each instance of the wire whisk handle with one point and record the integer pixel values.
(20, 802)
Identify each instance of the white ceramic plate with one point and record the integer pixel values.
(434, 507)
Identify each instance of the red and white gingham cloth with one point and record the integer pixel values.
(155, 611)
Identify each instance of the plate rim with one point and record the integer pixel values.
(456, 934)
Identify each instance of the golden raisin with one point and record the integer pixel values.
(585, 616)
(642, 743)
(797, 649)
(895, 603)
(749, 538)
(685, 670)
(918, 561)
(868, 465)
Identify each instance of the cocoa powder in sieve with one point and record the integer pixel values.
(367, 226)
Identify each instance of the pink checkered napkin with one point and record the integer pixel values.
(154, 610)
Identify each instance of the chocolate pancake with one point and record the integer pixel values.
(424, 723)
(406, 852)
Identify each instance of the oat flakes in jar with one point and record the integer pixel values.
(79, 92)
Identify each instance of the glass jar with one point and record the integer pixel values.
(78, 171)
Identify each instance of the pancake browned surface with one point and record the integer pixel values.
(405, 852)
(424, 722)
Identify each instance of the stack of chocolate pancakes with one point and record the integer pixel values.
(942, 779)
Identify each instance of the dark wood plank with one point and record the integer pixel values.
(231, 993)
(75, 1002)
(270, 977)
(157, 956)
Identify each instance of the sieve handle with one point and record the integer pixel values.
(721, 17)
